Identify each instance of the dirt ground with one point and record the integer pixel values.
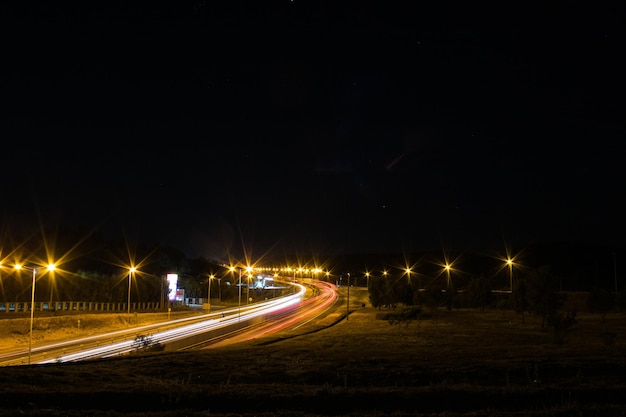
(50, 328)
(453, 363)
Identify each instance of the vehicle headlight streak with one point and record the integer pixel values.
(171, 335)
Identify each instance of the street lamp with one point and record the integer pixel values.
(209, 294)
(248, 276)
(348, 302)
(509, 262)
(232, 269)
(447, 267)
(130, 271)
(50, 267)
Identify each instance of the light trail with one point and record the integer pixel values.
(231, 317)
(308, 310)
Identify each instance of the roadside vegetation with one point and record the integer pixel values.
(382, 361)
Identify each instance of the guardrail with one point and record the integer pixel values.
(75, 306)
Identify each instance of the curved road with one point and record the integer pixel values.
(309, 310)
(213, 329)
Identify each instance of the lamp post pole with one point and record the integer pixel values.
(32, 317)
(510, 263)
(239, 313)
(209, 294)
(348, 301)
(51, 267)
(130, 271)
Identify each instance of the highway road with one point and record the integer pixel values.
(213, 329)
(309, 310)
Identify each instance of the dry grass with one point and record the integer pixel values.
(452, 363)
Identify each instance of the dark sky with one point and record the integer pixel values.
(312, 126)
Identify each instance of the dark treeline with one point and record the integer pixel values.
(579, 266)
(94, 267)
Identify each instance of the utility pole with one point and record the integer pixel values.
(348, 303)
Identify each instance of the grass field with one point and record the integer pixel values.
(447, 363)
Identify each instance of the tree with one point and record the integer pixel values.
(432, 298)
(401, 292)
(562, 325)
(542, 293)
(478, 293)
(450, 296)
(377, 291)
(520, 299)
(601, 301)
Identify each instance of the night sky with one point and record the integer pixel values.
(316, 127)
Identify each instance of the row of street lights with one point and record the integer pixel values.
(50, 268)
(447, 268)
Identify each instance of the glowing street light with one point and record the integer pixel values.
(50, 268)
(209, 294)
(130, 272)
(314, 272)
(509, 263)
(248, 276)
(447, 268)
(232, 269)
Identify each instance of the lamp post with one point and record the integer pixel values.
(130, 271)
(348, 302)
(51, 293)
(232, 270)
(239, 314)
(51, 267)
(248, 288)
(209, 294)
(248, 276)
(32, 317)
(219, 290)
(447, 268)
(509, 262)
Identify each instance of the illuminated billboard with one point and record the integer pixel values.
(172, 281)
